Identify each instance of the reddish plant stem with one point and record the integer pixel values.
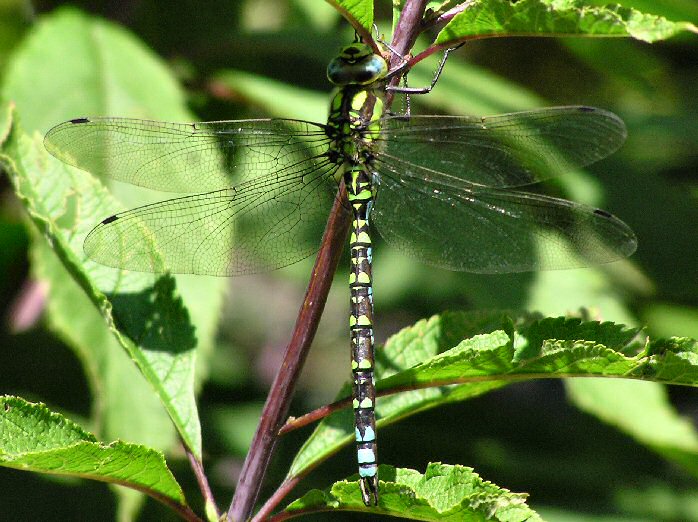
(451, 13)
(424, 54)
(284, 489)
(279, 398)
(198, 468)
(184, 511)
(328, 409)
(312, 416)
(407, 29)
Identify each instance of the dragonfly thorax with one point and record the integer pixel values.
(357, 105)
(353, 124)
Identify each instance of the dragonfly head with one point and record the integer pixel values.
(356, 64)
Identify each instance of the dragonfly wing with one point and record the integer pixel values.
(184, 157)
(509, 150)
(495, 231)
(259, 225)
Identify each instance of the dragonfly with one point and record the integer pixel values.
(446, 190)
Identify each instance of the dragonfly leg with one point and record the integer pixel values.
(423, 90)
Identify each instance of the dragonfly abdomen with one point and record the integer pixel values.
(359, 194)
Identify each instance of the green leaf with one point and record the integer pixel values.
(320, 20)
(5, 121)
(275, 98)
(668, 319)
(161, 339)
(651, 500)
(124, 405)
(33, 438)
(673, 9)
(443, 492)
(110, 73)
(359, 13)
(649, 418)
(488, 18)
(15, 17)
(487, 351)
(643, 410)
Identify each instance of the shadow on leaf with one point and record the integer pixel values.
(156, 318)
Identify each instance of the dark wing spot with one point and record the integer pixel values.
(603, 213)
(587, 109)
(80, 120)
(110, 219)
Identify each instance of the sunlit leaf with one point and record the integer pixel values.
(359, 13)
(32, 438)
(489, 18)
(483, 352)
(443, 492)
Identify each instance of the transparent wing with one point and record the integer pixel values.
(183, 157)
(262, 186)
(494, 231)
(259, 225)
(509, 150)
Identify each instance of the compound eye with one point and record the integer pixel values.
(356, 65)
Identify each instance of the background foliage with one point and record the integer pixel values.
(583, 449)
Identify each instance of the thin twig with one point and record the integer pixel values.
(312, 416)
(450, 14)
(284, 489)
(184, 511)
(279, 398)
(328, 409)
(198, 468)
